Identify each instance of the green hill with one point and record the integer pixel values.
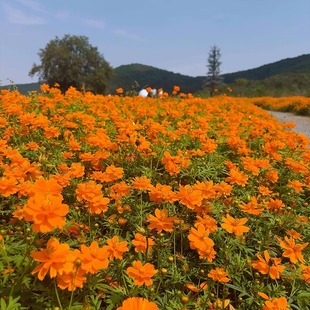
(286, 77)
(134, 77)
(300, 64)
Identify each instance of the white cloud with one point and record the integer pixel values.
(22, 17)
(32, 5)
(94, 23)
(125, 34)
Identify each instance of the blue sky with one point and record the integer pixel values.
(174, 35)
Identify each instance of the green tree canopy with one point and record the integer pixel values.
(73, 61)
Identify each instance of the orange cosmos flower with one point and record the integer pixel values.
(8, 186)
(207, 189)
(72, 280)
(88, 191)
(219, 275)
(74, 145)
(112, 173)
(32, 146)
(292, 250)
(265, 191)
(46, 187)
(294, 234)
(235, 226)
(276, 304)
(296, 185)
(272, 176)
(141, 274)
(137, 303)
(116, 248)
(171, 163)
(46, 212)
(189, 197)
(94, 258)
(252, 207)
(305, 273)
(76, 170)
(236, 176)
(141, 243)
(162, 193)
(275, 205)
(208, 222)
(55, 259)
(142, 183)
(268, 265)
(161, 221)
(119, 90)
(176, 88)
(119, 190)
(200, 241)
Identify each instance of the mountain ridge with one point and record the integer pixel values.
(135, 76)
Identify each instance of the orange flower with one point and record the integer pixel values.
(305, 273)
(112, 173)
(265, 191)
(296, 185)
(119, 90)
(219, 275)
(275, 205)
(141, 274)
(208, 222)
(272, 176)
(161, 221)
(252, 207)
(292, 250)
(268, 265)
(200, 241)
(46, 187)
(236, 176)
(176, 88)
(119, 190)
(8, 186)
(137, 303)
(72, 280)
(141, 243)
(76, 170)
(94, 258)
(88, 191)
(189, 197)
(142, 183)
(294, 234)
(98, 205)
(162, 193)
(276, 304)
(56, 259)
(207, 189)
(32, 146)
(116, 248)
(46, 212)
(235, 226)
(171, 163)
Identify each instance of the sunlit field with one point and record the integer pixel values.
(115, 202)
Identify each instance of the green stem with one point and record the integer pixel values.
(57, 295)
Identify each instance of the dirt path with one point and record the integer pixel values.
(302, 122)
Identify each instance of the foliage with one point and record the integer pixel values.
(73, 61)
(193, 203)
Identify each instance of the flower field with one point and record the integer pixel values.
(115, 202)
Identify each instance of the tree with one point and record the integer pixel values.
(213, 76)
(72, 61)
